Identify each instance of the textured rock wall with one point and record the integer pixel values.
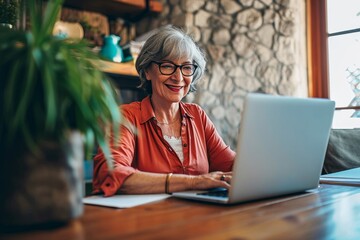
(251, 46)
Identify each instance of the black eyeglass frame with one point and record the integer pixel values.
(176, 67)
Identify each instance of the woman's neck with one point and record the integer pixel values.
(165, 113)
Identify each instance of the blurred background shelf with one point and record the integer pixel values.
(105, 13)
(127, 9)
(125, 78)
(127, 68)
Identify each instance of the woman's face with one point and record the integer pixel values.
(171, 88)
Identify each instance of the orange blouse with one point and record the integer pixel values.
(141, 146)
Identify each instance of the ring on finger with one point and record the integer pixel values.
(222, 178)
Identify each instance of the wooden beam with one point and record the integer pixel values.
(317, 49)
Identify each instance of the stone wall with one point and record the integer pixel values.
(251, 46)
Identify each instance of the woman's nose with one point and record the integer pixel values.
(178, 74)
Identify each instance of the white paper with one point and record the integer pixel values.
(124, 201)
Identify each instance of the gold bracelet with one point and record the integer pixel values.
(167, 181)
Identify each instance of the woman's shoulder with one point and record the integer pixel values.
(191, 106)
(193, 109)
(130, 106)
(138, 111)
(198, 114)
(130, 109)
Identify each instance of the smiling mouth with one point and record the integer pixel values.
(174, 88)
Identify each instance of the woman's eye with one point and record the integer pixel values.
(167, 67)
(187, 67)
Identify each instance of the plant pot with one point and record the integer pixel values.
(45, 190)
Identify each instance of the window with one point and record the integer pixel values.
(334, 56)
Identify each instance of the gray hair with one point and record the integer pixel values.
(172, 43)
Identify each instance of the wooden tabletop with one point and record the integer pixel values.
(332, 212)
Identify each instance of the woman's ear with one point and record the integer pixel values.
(147, 74)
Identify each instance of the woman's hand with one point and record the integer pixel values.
(211, 180)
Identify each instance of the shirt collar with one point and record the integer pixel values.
(147, 112)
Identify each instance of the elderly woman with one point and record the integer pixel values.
(166, 145)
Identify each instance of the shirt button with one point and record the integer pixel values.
(185, 145)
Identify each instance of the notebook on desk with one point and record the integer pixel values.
(280, 150)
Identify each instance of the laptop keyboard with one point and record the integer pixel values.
(222, 193)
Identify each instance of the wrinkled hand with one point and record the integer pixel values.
(212, 180)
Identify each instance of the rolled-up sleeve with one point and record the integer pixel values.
(221, 156)
(109, 181)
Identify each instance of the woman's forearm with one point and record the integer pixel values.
(145, 182)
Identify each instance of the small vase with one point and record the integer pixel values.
(111, 50)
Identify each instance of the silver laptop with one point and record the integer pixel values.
(281, 149)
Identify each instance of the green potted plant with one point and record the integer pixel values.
(54, 104)
(8, 13)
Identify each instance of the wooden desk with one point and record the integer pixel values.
(331, 213)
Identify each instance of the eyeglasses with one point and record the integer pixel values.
(168, 68)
